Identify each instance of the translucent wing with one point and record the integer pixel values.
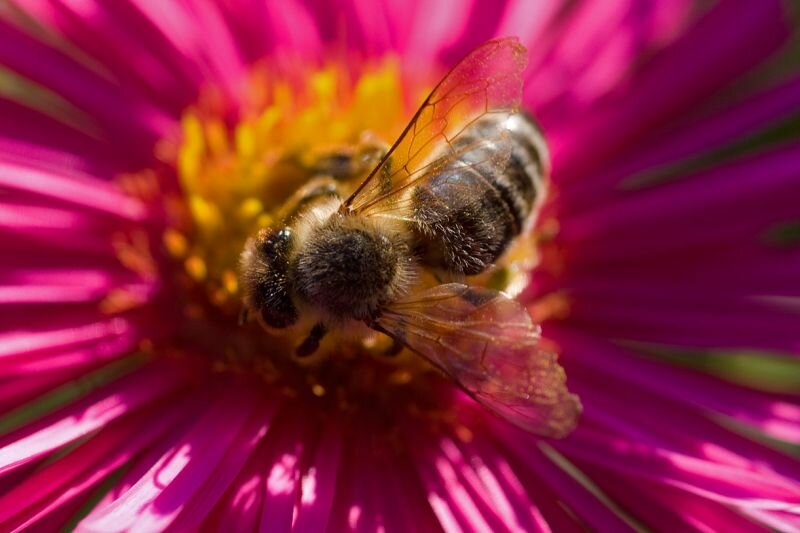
(487, 81)
(487, 344)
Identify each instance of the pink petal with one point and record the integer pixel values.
(282, 476)
(87, 415)
(126, 44)
(71, 476)
(318, 483)
(158, 497)
(775, 415)
(121, 112)
(79, 190)
(723, 483)
(515, 503)
(240, 451)
(673, 81)
(580, 500)
(668, 508)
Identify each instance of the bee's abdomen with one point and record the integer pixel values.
(522, 182)
(483, 196)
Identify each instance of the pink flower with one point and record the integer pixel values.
(131, 400)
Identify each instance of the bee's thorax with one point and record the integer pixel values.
(350, 267)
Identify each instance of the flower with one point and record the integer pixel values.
(132, 401)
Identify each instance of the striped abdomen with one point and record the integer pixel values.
(482, 195)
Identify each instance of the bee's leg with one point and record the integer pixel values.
(396, 347)
(244, 314)
(311, 342)
(398, 343)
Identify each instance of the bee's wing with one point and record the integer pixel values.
(487, 81)
(486, 342)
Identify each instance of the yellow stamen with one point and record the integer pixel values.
(229, 282)
(196, 268)
(217, 138)
(119, 300)
(133, 251)
(245, 141)
(250, 208)
(206, 215)
(175, 243)
(192, 150)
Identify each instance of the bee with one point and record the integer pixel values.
(463, 180)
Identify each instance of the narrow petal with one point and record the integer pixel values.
(569, 490)
(118, 111)
(69, 477)
(87, 415)
(319, 482)
(73, 188)
(676, 79)
(202, 502)
(773, 414)
(158, 497)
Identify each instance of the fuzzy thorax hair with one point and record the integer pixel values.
(350, 267)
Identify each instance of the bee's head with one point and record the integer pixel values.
(350, 267)
(264, 267)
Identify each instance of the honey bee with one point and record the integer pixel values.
(465, 178)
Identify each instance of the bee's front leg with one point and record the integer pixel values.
(311, 342)
(395, 348)
(398, 343)
(244, 315)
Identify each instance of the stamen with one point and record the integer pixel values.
(175, 242)
(196, 268)
(133, 251)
